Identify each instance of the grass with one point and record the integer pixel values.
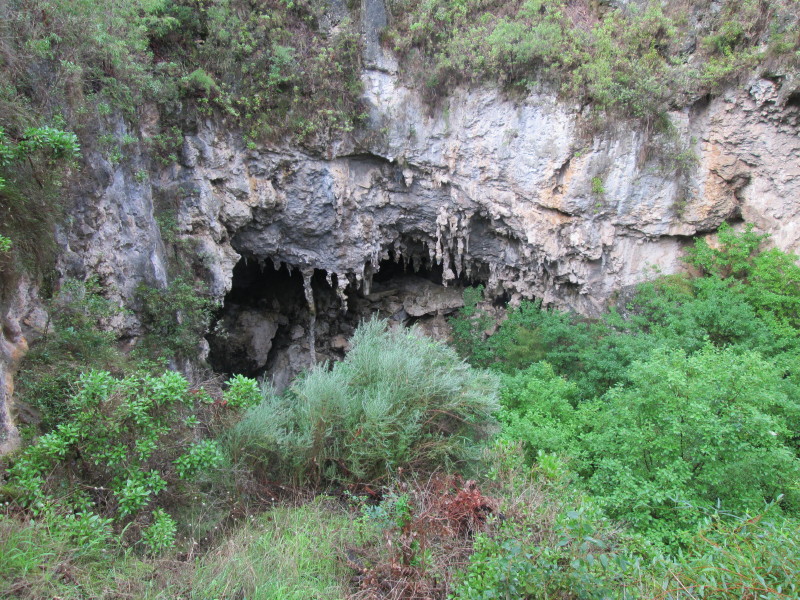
(38, 560)
(288, 553)
(438, 537)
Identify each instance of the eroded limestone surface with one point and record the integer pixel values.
(509, 193)
(515, 194)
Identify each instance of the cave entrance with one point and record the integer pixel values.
(276, 321)
(261, 316)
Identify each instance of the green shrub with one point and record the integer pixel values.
(242, 392)
(268, 66)
(736, 560)
(33, 166)
(538, 410)
(684, 437)
(76, 340)
(682, 405)
(200, 82)
(709, 430)
(468, 327)
(630, 60)
(200, 457)
(397, 401)
(581, 561)
(585, 557)
(771, 278)
(733, 257)
(160, 535)
(598, 189)
(746, 299)
(123, 444)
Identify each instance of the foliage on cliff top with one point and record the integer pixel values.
(270, 66)
(279, 68)
(637, 60)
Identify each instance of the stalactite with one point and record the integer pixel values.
(366, 278)
(308, 290)
(341, 291)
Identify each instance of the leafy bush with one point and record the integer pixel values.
(754, 556)
(242, 392)
(160, 535)
(771, 278)
(680, 406)
(32, 169)
(539, 411)
(76, 340)
(712, 430)
(584, 557)
(747, 299)
(122, 445)
(555, 542)
(397, 401)
(581, 562)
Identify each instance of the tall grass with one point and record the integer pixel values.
(286, 554)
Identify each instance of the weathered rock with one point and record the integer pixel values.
(505, 192)
(248, 336)
(422, 297)
(20, 318)
(340, 343)
(509, 193)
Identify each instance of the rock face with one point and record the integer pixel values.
(514, 194)
(21, 317)
(508, 193)
(488, 190)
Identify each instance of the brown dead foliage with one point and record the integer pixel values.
(420, 554)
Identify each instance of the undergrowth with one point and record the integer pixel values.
(648, 454)
(398, 401)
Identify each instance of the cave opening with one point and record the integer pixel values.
(270, 327)
(258, 317)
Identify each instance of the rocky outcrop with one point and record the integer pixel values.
(512, 194)
(509, 193)
(516, 194)
(21, 318)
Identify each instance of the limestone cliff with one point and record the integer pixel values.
(514, 193)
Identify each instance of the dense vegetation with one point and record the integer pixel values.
(677, 413)
(638, 59)
(397, 401)
(652, 453)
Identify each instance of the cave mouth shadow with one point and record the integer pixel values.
(265, 329)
